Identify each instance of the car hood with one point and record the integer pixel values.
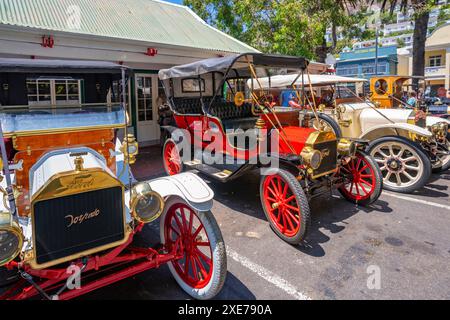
(433, 120)
(370, 117)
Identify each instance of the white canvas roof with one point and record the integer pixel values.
(284, 81)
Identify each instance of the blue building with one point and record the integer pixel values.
(361, 62)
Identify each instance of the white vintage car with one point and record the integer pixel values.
(70, 201)
(406, 148)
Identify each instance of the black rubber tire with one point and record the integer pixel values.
(218, 253)
(378, 183)
(425, 175)
(330, 121)
(302, 202)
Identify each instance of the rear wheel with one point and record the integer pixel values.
(363, 180)
(173, 164)
(201, 272)
(404, 166)
(285, 205)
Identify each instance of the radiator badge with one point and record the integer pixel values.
(82, 218)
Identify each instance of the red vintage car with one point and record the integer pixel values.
(226, 126)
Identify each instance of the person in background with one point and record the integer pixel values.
(286, 96)
(405, 96)
(412, 101)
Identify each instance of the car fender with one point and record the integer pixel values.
(433, 120)
(187, 186)
(401, 129)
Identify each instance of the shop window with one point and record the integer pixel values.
(46, 92)
(435, 61)
(39, 92)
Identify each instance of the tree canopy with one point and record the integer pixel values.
(293, 27)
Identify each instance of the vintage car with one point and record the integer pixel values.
(213, 105)
(71, 208)
(406, 144)
(388, 91)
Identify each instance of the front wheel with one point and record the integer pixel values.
(202, 270)
(404, 166)
(363, 180)
(285, 205)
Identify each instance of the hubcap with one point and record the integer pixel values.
(400, 164)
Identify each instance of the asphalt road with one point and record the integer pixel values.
(404, 237)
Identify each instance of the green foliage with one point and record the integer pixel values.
(368, 34)
(293, 27)
(388, 18)
(400, 43)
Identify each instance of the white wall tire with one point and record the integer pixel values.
(210, 278)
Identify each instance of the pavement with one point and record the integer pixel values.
(398, 248)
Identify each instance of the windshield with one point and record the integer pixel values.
(16, 120)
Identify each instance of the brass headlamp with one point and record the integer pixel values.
(346, 148)
(130, 148)
(146, 205)
(11, 238)
(311, 157)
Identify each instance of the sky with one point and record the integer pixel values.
(175, 1)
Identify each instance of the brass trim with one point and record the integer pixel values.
(7, 224)
(324, 173)
(66, 184)
(135, 199)
(59, 130)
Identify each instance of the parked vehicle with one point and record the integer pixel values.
(216, 97)
(405, 151)
(391, 92)
(71, 205)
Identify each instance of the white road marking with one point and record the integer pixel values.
(267, 275)
(429, 203)
(394, 195)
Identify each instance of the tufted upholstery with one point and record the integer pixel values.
(234, 117)
(189, 105)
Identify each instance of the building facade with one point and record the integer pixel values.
(145, 35)
(437, 61)
(361, 62)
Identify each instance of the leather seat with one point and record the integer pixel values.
(234, 117)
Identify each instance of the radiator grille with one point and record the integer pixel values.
(56, 237)
(329, 154)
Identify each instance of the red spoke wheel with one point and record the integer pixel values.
(202, 269)
(285, 205)
(363, 180)
(173, 164)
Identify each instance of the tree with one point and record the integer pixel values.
(422, 10)
(293, 27)
(281, 26)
